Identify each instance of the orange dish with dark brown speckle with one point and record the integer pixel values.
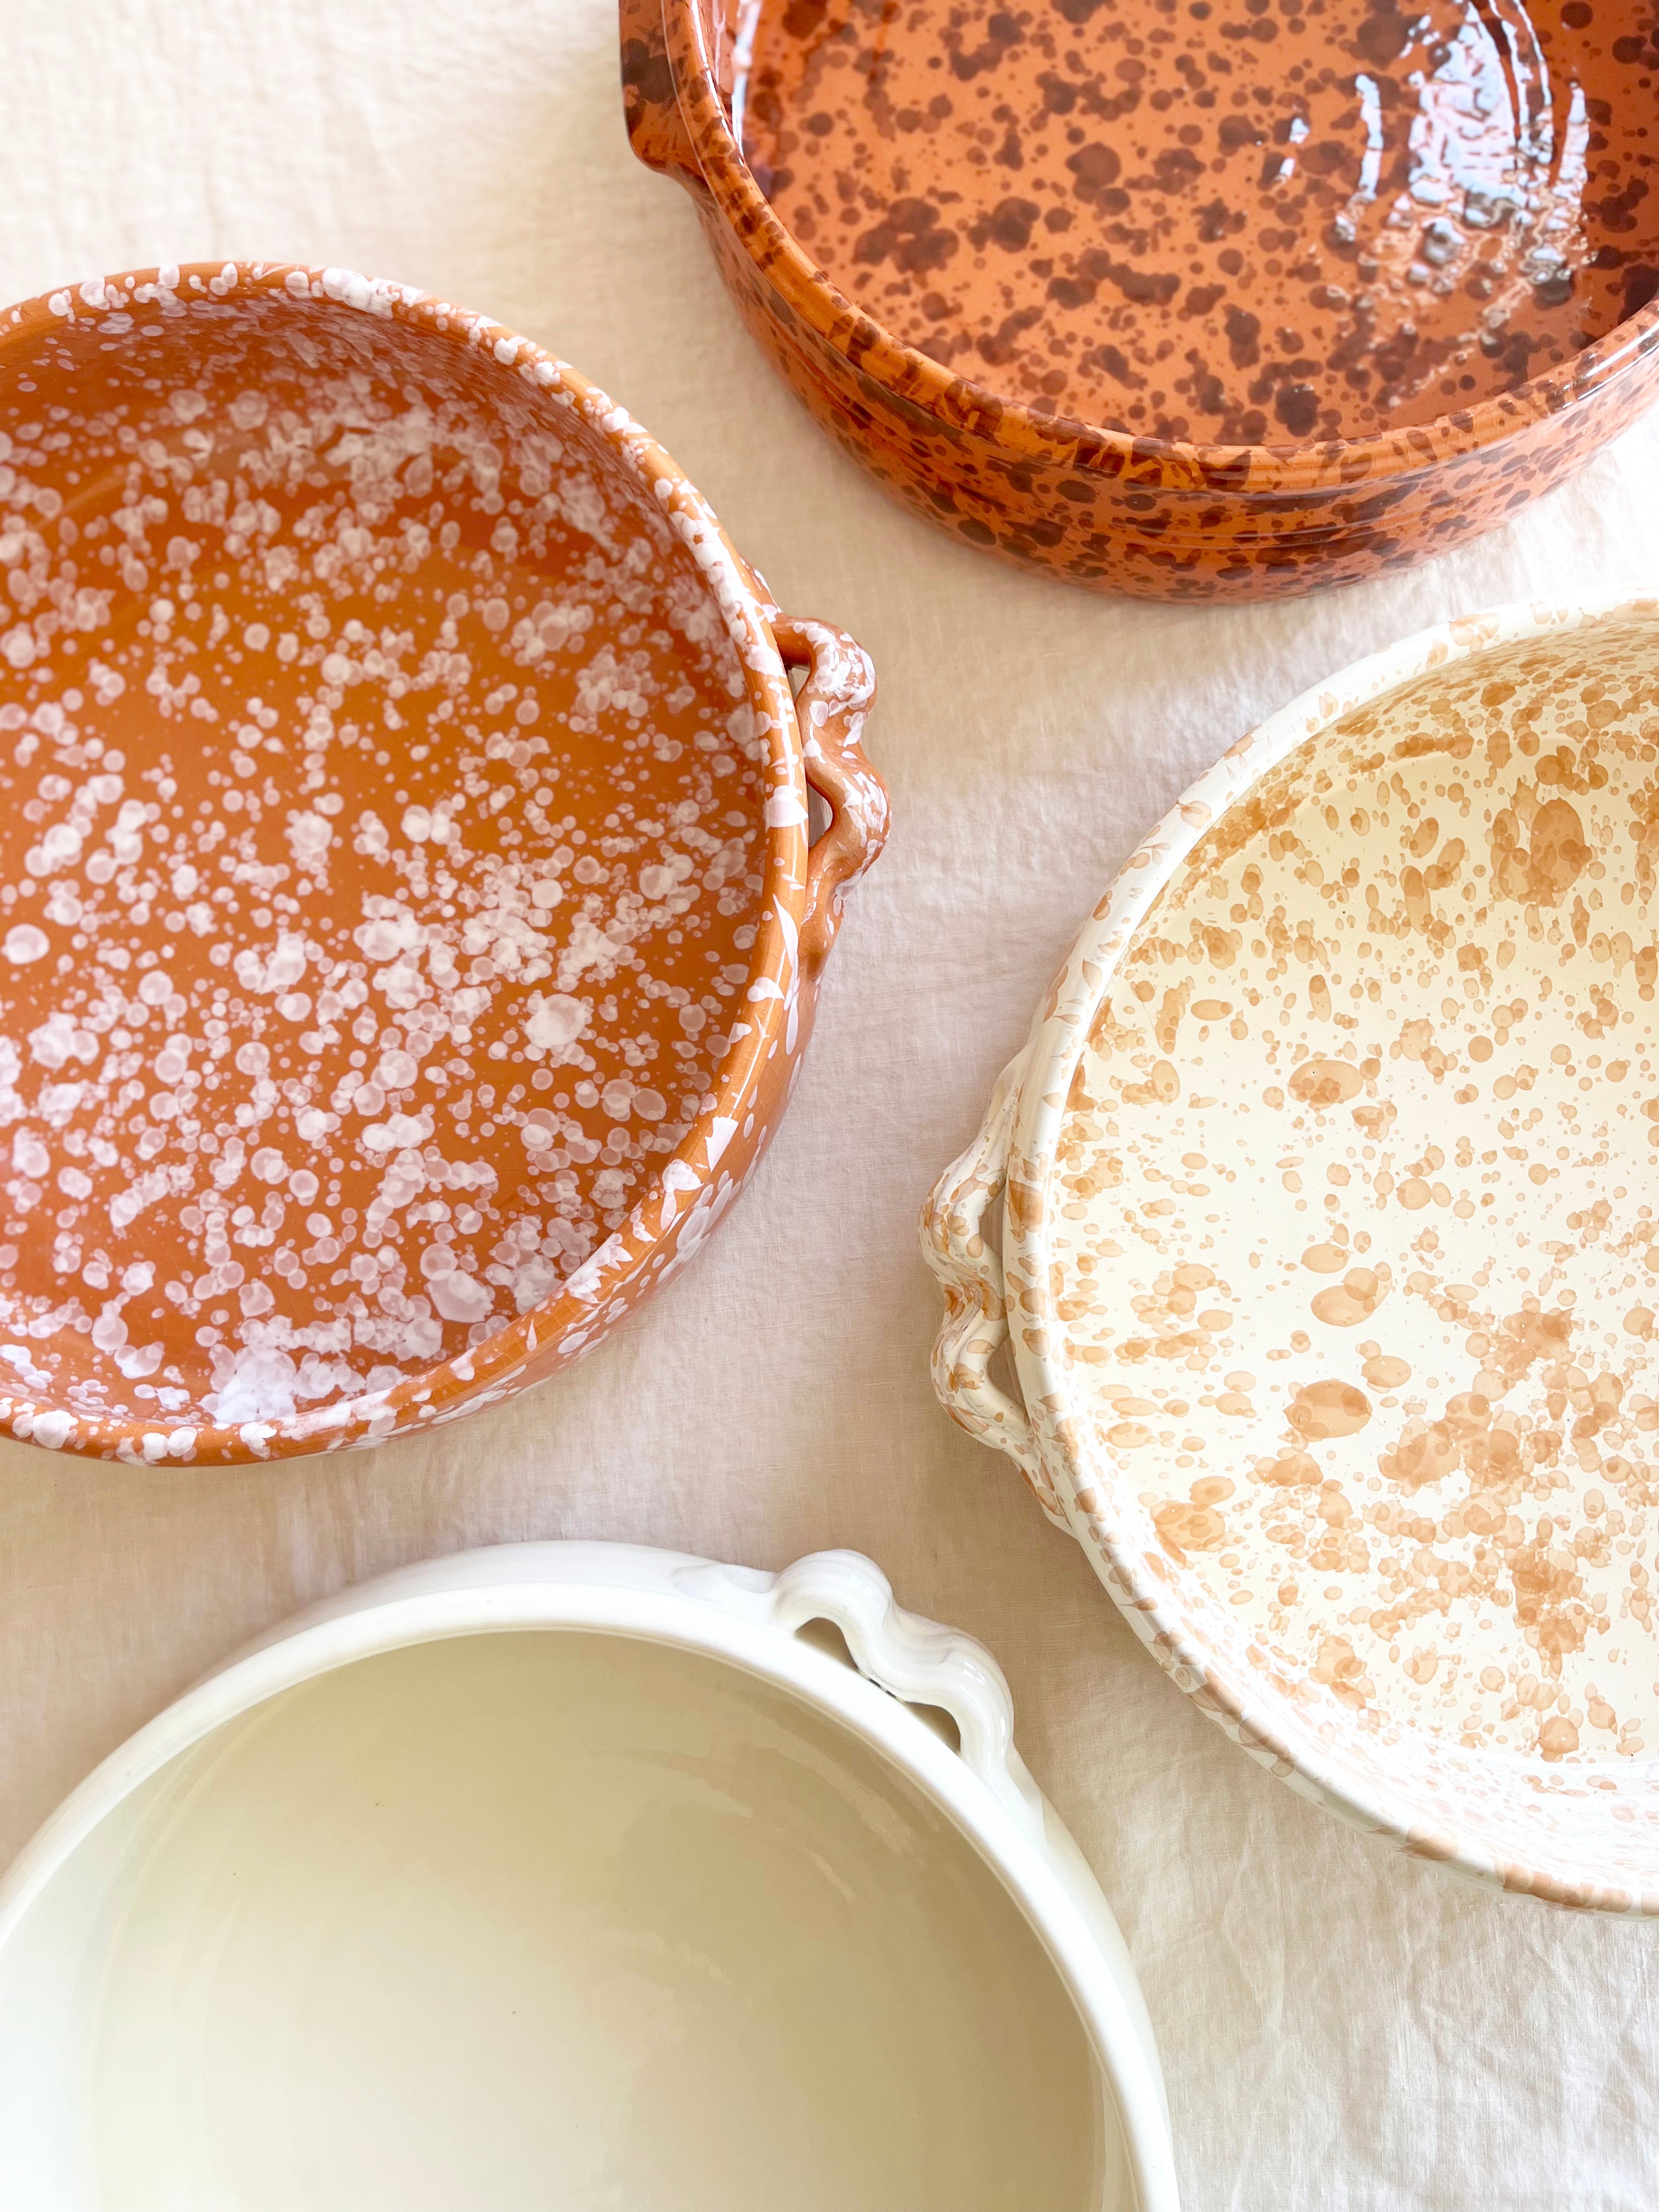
(1187, 300)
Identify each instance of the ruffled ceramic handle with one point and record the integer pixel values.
(912, 1659)
(969, 1271)
(830, 709)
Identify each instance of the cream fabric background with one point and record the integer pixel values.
(1341, 2029)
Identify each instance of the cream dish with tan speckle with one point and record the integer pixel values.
(1330, 1248)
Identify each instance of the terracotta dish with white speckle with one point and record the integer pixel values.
(408, 926)
(1329, 1247)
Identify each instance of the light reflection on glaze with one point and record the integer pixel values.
(1361, 1262)
(1238, 225)
(569, 1903)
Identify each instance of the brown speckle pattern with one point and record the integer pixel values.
(1253, 225)
(1120, 508)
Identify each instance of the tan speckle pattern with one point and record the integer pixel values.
(1331, 1281)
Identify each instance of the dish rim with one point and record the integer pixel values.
(748, 1619)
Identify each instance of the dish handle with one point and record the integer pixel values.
(650, 106)
(968, 1267)
(915, 1660)
(830, 709)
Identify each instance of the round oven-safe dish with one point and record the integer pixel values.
(1330, 1252)
(584, 1875)
(1228, 302)
(408, 929)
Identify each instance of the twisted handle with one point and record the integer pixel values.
(969, 1271)
(830, 707)
(912, 1658)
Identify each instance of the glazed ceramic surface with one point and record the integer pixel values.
(1251, 226)
(1233, 307)
(579, 1869)
(1329, 1257)
(408, 922)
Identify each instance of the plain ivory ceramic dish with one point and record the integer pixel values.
(1328, 1258)
(409, 929)
(1220, 302)
(576, 1873)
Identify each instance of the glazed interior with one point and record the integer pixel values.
(540, 1917)
(382, 851)
(1233, 221)
(1355, 1243)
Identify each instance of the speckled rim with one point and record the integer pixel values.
(490, 1371)
(1174, 1629)
(964, 404)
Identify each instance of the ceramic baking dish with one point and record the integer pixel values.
(409, 931)
(584, 1873)
(1328, 1256)
(1435, 136)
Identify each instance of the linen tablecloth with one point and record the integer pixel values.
(1340, 2027)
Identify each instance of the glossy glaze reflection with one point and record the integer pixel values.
(1248, 225)
(376, 875)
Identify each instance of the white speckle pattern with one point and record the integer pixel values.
(392, 828)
